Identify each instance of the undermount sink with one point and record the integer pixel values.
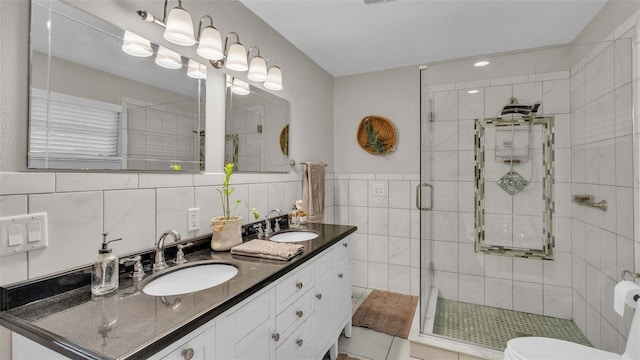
(188, 278)
(293, 236)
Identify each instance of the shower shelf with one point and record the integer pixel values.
(588, 200)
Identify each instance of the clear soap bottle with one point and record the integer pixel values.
(104, 277)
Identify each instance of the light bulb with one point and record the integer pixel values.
(240, 87)
(179, 28)
(237, 58)
(274, 79)
(168, 58)
(257, 69)
(210, 45)
(196, 70)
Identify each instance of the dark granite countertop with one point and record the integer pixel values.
(130, 324)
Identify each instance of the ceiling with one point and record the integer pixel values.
(348, 37)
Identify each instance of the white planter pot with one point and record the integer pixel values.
(227, 233)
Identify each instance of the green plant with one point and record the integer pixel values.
(224, 196)
(373, 141)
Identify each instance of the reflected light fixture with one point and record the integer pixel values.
(236, 54)
(168, 58)
(136, 45)
(239, 87)
(482, 63)
(209, 41)
(274, 79)
(257, 67)
(196, 70)
(473, 91)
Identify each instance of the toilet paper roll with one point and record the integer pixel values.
(623, 293)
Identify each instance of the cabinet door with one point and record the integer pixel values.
(248, 331)
(342, 275)
(325, 313)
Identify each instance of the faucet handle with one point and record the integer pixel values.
(277, 227)
(138, 269)
(180, 255)
(258, 227)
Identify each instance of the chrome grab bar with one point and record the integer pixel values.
(419, 197)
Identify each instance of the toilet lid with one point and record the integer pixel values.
(539, 348)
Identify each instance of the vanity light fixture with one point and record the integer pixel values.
(236, 54)
(257, 67)
(168, 58)
(196, 70)
(482, 63)
(274, 79)
(209, 41)
(179, 30)
(136, 45)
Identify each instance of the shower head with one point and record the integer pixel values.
(520, 109)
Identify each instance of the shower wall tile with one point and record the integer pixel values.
(557, 301)
(562, 169)
(500, 267)
(359, 246)
(623, 157)
(558, 272)
(445, 195)
(471, 289)
(445, 165)
(593, 326)
(399, 222)
(400, 194)
(608, 337)
(529, 93)
(527, 270)
(466, 196)
(447, 283)
(378, 249)
(358, 216)
(470, 261)
(466, 228)
(378, 222)
(470, 106)
(378, 275)
(358, 192)
(495, 98)
(466, 135)
(498, 293)
(556, 96)
(593, 287)
(447, 228)
(400, 279)
(580, 312)
(399, 250)
(527, 297)
(563, 234)
(445, 105)
(445, 135)
(445, 256)
(562, 131)
(606, 74)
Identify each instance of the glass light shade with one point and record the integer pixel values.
(168, 58)
(274, 79)
(136, 45)
(257, 69)
(210, 45)
(237, 58)
(196, 70)
(240, 87)
(179, 28)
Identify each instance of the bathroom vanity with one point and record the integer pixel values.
(269, 310)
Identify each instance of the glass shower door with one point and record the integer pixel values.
(424, 201)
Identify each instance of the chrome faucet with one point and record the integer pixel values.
(159, 262)
(267, 229)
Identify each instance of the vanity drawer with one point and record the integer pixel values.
(291, 288)
(298, 345)
(342, 249)
(296, 314)
(193, 349)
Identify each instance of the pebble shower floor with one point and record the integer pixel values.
(492, 327)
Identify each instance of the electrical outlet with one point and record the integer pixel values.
(378, 189)
(193, 219)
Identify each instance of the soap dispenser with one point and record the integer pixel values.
(104, 278)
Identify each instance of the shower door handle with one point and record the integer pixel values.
(419, 197)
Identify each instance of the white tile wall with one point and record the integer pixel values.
(135, 207)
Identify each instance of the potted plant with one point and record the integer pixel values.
(227, 229)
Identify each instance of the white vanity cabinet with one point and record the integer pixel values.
(299, 316)
(332, 298)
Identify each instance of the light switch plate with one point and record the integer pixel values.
(23, 233)
(378, 189)
(193, 219)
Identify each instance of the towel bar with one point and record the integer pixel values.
(294, 163)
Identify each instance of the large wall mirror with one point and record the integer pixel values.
(95, 107)
(256, 129)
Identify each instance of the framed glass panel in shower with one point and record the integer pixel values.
(514, 200)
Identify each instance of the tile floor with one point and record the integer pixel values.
(367, 344)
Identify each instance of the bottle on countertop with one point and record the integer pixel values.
(294, 218)
(104, 277)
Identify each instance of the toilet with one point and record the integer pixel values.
(541, 348)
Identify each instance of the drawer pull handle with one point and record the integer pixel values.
(340, 276)
(187, 354)
(299, 342)
(319, 296)
(299, 313)
(299, 285)
(276, 336)
(345, 244)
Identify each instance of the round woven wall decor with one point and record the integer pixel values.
(376, 135)
(284, 140)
